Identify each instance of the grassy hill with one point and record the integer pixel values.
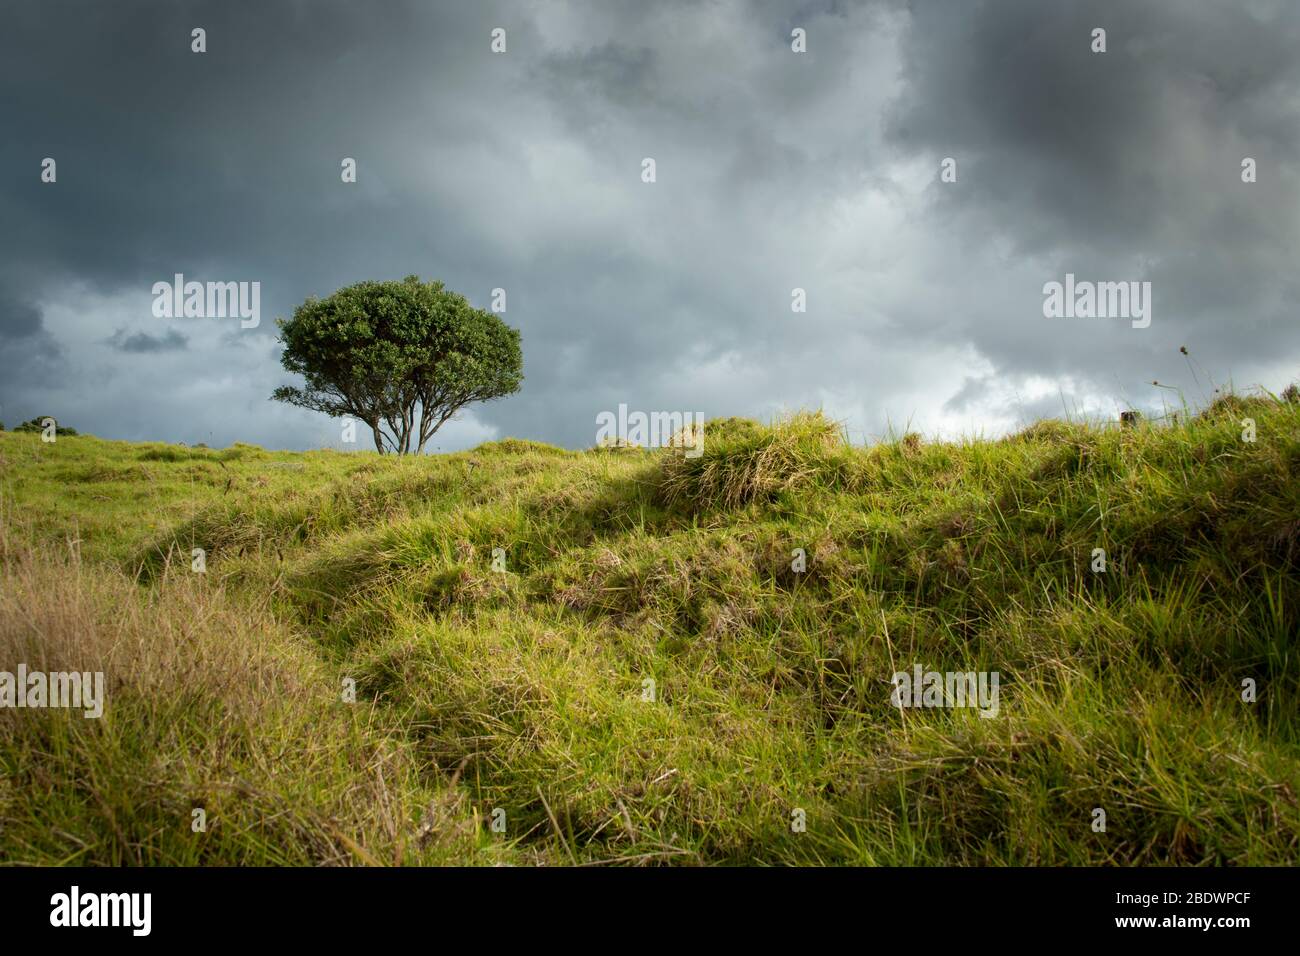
(649, 679)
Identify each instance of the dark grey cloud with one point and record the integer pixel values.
(775, 171)
(28, 352)
(19, 319)
(139, 343)
(1125, 164)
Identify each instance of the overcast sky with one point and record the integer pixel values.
(775, 170)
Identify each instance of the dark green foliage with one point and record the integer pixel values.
(400, 357)
(38, 425)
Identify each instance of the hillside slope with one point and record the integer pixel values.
(614, 656)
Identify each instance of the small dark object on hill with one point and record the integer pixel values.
(1290, 395)
(1129, 419)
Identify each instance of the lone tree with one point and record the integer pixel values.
(378, 351)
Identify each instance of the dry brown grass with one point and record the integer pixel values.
(58, 614)
(209, 703)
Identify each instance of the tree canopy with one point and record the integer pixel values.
(402, 357)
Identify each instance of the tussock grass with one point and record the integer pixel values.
(650, 677)
(743, 463)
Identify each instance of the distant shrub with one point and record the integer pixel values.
(38, 425)
(164, 453)
(240, 450)
(519, 446)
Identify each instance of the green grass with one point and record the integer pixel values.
(522, 690)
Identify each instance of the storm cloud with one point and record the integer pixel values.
(776, 171)
(143, 342)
